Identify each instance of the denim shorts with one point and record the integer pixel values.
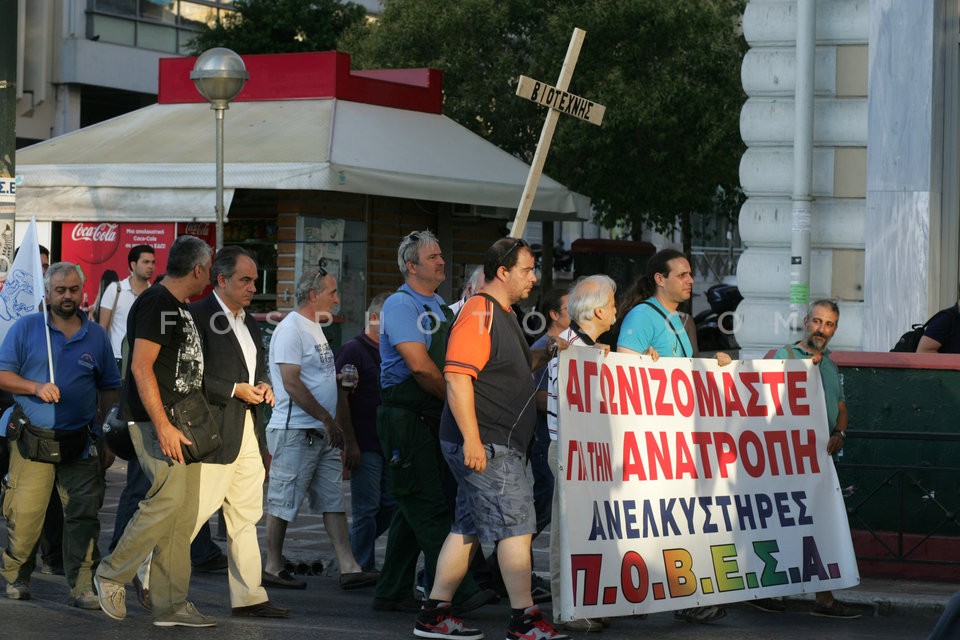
(497, 503)
(303, 465)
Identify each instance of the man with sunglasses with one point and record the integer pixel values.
(166, 364)
(486, 428)
(305, 431)
(414, 324)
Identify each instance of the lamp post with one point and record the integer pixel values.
(219, 74)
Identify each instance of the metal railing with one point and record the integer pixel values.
(711, 264)
(904, 543)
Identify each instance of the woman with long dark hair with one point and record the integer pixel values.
(109, 277)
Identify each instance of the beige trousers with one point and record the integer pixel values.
(238, 488)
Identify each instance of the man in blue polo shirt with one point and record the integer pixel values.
(83, 365)
(413, 335)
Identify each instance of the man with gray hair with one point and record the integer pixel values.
(474, 283)
(235, 383)
(819, 325)
(592, 309)
(371, 502)
(166, 365)
(304, 433)
(65, 408)
(414, 326)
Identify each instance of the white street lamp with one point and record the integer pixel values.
(219, 74)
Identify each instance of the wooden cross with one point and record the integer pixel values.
(559, 101)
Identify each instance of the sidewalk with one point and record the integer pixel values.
(892, 597)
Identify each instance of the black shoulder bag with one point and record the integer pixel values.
(192, 416)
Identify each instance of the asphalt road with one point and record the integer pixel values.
(324, 611)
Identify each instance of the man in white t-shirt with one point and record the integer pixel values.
(118, 297)
(304, 434)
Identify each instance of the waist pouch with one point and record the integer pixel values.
(45, 445)
(191, 415)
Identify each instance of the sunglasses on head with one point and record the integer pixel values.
(321, 273)
(517, 243)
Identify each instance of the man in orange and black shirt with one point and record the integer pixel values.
(485, 430)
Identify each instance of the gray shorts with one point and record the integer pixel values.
(303, 465)
(497, 503)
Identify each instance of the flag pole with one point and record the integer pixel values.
(46, 331)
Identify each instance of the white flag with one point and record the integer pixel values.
(22, 291)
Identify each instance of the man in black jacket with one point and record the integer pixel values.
(235, 385)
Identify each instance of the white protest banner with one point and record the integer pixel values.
(684, 484)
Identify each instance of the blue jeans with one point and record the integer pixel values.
(372, 507)
(497, 503)
(542, 480)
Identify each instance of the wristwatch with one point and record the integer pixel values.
(838, 432)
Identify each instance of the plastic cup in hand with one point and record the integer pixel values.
(349, 376)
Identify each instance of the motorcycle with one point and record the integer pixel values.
(715, 326)
(562, 258)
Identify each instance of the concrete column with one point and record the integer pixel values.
(904, 158)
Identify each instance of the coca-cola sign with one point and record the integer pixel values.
(103, 239)
(199, 229)
(90, 244)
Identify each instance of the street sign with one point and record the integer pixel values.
(563, 101)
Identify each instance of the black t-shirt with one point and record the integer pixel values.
(159, 317)
(944, 327)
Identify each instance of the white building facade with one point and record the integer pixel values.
(879, 204)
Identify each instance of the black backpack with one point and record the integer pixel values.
(909, 341)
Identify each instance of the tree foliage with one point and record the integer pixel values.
(667, 71)
(280, 26)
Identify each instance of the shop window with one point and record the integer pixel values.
(340, 246)
(260, 238)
